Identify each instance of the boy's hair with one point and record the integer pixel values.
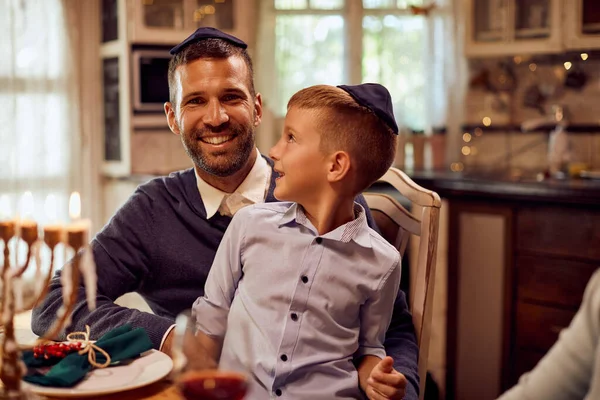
(348, 126)
(208, 48)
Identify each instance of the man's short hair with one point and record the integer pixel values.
(345, 125)
(208, 48)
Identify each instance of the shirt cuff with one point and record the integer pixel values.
(370, 351)
(165, 336)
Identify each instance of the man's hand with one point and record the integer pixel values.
(385, 383)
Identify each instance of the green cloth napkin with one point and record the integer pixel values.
(121, 343)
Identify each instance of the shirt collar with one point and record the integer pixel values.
(252, 188)
(356, 230)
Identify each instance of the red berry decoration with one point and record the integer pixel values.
(53, 351)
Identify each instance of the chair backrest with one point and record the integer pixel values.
(397, 225)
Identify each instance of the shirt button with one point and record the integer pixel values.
(294, 318)
(319, 240)
(278, 392)
(283, 357)
(305, 279)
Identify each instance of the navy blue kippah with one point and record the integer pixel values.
(376, 98)
(207, 32)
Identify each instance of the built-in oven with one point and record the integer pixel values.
(150, 82)
(149, 86)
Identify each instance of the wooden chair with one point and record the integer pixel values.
(397, 224)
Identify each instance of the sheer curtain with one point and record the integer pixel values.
(38, 123)
(447, 73)
(42, 144)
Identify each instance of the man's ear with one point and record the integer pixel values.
(258, 109)
(339, 166)
(170, 113)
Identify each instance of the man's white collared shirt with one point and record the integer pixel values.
(251, 191)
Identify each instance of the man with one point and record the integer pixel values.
(162, 242)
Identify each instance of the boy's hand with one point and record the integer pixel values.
(385, 383)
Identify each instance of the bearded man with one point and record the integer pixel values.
(161, 243)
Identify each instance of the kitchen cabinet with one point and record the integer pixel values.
(519, 258)
(582, 25)
(506, 27)
(519, 276)
(171, 21)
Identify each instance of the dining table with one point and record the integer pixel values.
(161, 390)
(164, 389)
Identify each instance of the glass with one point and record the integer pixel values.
(218, 14)
(163, 13)
(291, 4)
(590, 23)
(386, 4)
(489, 20)
(375, 4)
(196, 372)
(532, 19)
(46, 145)
(393, 55)
(309, 51)
(110, 20)
(326, 4)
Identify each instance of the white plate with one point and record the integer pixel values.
(150, 367)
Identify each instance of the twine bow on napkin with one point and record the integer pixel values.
(119, 344)
(89, 347)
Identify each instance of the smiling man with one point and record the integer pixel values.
(162, 242)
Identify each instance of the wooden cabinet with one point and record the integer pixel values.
(511, 27)
(582, 25)
(516, 279)
(505, 27)
(557, 251)
(171, 21)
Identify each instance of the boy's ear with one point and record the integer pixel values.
(339, 166)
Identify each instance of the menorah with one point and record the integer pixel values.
(75, 237)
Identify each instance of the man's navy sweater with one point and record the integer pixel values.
(160, 245)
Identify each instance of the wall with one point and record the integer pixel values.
(491, 146)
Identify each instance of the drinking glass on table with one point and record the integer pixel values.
(196, 372)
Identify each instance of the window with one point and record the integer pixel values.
(34, 106)
(37, 118)
(349, 41)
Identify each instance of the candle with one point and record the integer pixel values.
(53, 231)
(29, 228)
(77, 231)
(7, 225)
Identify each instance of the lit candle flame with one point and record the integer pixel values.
(50, 206)
(75, 206)
(27, 205)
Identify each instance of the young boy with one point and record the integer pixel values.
(300, 291)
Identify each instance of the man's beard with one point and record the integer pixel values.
(213, 162)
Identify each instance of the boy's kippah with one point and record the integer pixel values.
(208, 33)
(376, 98)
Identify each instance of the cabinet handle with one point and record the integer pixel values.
(556, 329)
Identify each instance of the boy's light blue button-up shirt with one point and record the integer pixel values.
(295, 307)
